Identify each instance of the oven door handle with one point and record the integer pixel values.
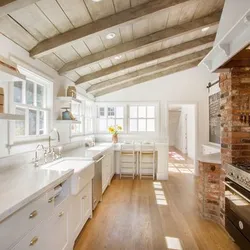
(236, 191)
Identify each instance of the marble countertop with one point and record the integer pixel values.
(211, 158)
(88, 153)
(20, 185)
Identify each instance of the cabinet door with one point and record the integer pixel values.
(76, 219)
(86, 200)
(60, 227)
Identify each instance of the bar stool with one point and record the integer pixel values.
(147, 160)
(128, 160)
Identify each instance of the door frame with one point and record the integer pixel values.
(196, 123)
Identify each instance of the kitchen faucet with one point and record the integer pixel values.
(39, 146)
(50, 149)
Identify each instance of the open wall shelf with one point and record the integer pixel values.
(12, 117)
(68, 122)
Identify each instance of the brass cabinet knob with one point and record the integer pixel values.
(33, 214)
(61, 214)
(50, 200)
(34, 241)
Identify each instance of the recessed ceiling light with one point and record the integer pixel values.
(118, 57)
(110, 36)
(205, 29)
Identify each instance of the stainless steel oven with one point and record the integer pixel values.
(237, 207)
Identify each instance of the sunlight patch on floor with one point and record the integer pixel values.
(159, 194)
(176, 156)
(173, 243)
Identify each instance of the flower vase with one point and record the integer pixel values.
(114, 138)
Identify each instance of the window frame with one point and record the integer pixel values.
(47, 107)
(106, 106)
(126, 118)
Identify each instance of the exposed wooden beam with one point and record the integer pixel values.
(122, 18)
(147, 58)
(148, 78)
(8, 6)
(147, 71)
(168, 33)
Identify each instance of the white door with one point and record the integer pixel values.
(185, 135)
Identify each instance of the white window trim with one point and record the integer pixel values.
(106, 105)
(13, 139)
(126, 117)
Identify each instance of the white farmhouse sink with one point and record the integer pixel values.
(83, 171)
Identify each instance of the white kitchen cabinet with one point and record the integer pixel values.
(59, 227)
(80, 210)
(107, 170)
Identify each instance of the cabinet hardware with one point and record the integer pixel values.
(61, 214)
(51, 199)
(33, 214)
(33, 241)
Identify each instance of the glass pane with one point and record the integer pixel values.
(32, 122)
(133, 112)
(18, 92)
(42, 123)
(142, 111)
(76, 128)
(119, 122)
(20, 125)
(151, 112)
(142, 125)
(111, 112)
(29, 92)
(103, 125)
(151, 125)
(133, 125)
(75, 109)
(102, 112)
(119, 112)
(111, 122)
(40, 96)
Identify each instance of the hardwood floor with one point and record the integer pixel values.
(153, 215)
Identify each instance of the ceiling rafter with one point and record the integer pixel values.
(147, 71)
(122, 18)
(9, 6)
(144, 79)
(147, 58)
(168, 33)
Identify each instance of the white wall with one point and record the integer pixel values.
(12, 51)
(174, 118)
(185, 87)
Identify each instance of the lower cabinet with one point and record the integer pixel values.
(51, 234)
(107, 170)
(80, 210)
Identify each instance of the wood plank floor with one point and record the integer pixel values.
(153, 215)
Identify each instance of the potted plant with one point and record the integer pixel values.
(114, 130)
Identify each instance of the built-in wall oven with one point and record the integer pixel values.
(237, 205)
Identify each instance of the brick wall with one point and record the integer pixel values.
(235, 136)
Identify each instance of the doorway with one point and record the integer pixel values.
(182, 138)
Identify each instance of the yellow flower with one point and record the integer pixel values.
(111, 130)
(119, 127)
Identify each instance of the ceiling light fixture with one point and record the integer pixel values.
(205, 29)
(110, 36)
(96, 1)
(118, 57)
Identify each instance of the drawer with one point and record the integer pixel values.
(21, 222)
(37, 239)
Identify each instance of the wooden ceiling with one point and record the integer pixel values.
(152, 38)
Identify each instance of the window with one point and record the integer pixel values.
(142, 118)
(89, 117)
(110, 116)
(29, 99)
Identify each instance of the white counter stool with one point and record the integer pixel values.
(128, 160)
(147, 158)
